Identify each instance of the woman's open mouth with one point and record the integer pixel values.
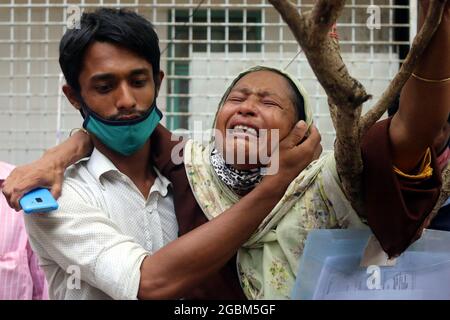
(241, 130)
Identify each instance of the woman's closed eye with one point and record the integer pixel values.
(271, 103)
(236, 99)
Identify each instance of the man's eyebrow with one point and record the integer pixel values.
(139, 71)
(102, 77)
(110, 76)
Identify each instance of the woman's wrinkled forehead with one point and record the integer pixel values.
(263, 83)
(292, 82)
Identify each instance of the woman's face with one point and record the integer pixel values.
(259, 100)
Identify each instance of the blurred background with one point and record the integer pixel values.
(204, 45)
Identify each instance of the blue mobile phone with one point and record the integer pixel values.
(38, 200)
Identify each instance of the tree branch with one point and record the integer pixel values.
(324, 15)
(445, 191)
(346, 153)
(322, 52)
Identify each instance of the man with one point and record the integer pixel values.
(119, 217)
(20, 275)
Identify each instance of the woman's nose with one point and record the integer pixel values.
(248, 107)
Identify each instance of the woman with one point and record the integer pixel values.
(265, 98)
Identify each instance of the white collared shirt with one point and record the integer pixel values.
(101, 232)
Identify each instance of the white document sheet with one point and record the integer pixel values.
(414, 277)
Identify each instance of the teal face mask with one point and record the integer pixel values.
(124, 137)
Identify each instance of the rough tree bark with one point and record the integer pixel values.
(445, 191)
(345, 94)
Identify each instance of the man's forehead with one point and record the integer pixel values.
(104, 58)
(104, 50)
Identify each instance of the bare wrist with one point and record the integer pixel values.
(77, 147)
(275, 184)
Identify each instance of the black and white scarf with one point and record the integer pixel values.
(240, 181)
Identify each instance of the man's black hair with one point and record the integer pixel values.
(116, 26)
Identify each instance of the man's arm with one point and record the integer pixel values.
(424, 106)
(47, 171)
(80, 234)
(182, 264)
(185, 262)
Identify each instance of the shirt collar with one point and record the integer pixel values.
(5, 170)
(98, 164)
(161, 184)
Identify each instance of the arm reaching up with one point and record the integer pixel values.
(424, 100)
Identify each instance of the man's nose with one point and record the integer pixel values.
(125, 97)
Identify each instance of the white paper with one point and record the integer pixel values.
(375, 255)
(342, 278)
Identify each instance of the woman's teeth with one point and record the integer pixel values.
(245, 129)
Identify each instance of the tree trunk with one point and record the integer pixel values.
(346, 95)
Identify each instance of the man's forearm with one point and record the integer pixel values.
(75, 148)
(189, 260)
(47, 171)
(424, 106)
(186, 261)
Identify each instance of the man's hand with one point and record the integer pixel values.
(46, 172)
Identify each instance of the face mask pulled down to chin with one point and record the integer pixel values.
(123, 136)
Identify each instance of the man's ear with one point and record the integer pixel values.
(158, 81)
(72, 96)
